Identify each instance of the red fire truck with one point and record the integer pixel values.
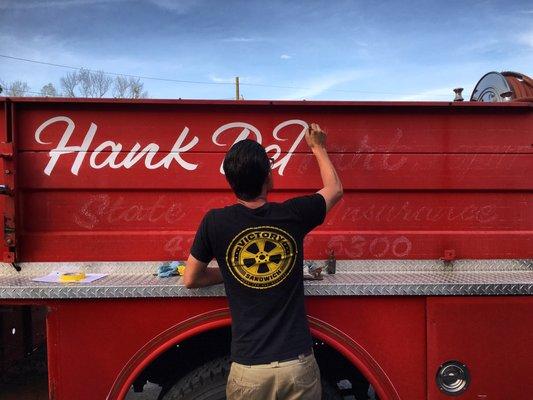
(432, 241)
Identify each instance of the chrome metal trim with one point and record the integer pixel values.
(353, 278)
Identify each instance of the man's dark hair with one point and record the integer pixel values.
(246, 166)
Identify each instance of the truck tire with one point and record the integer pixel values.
(208, 382)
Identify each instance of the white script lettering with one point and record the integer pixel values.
(276, 149)
(110, 156)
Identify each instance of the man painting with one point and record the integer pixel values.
(259, 249)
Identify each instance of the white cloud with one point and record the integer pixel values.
(50, 49)
(231, 79)
(19, 5)
(324, 83)
(218, 79)
(241, 39)
(436, 94)
(285, 57)
(177, 6)
(39, 47)
(478, 47)
(526, 38)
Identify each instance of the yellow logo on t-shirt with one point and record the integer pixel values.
(261, 257)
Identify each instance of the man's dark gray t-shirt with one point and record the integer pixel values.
(260, 254)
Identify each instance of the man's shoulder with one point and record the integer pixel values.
(306, 198)
(220, 211)
(310, 209)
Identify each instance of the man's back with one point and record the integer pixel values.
(259, 249)
(260, 253)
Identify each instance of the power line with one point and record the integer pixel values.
(115, 73)
(199, 82)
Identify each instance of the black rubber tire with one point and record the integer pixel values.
(329, 392)
(208, 382)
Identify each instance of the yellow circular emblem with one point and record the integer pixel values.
(261, 257)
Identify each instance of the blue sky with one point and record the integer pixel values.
(336, 49)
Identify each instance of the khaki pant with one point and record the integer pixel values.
(288, 380)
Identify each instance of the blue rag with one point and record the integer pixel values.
(168, 269)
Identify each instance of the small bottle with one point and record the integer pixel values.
(331, 264)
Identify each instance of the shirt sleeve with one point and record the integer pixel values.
(310, 209)
(201, 248)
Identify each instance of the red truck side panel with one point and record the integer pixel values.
(104, 335)
(419, 180)
(492, 336)
(123, 181)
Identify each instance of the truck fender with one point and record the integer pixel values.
(220, 318)
(357, 355)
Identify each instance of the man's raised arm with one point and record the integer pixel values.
(332, 190)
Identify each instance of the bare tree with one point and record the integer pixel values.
(87, 83)
(130, 87)
(17, 89)
(69, 83)
(101, 82)
(120, 88)
(94, 83)
(49, 90)
(84, 83)
(136, 89)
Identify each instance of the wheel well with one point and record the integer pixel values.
(193, 352)
(184, 357)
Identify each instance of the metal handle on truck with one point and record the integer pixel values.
(6, 190)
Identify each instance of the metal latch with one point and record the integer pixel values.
(331, 263)
(6, 190)
(6, 150)
(9, 242)
(449, 257)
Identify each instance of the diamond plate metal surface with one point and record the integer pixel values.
(354, 278)
(149, 267)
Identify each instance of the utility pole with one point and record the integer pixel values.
(237, 94)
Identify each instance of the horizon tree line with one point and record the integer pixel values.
(82, 83)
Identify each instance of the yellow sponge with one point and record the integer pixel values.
(72, 277)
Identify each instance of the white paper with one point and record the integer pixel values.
(53, 277)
